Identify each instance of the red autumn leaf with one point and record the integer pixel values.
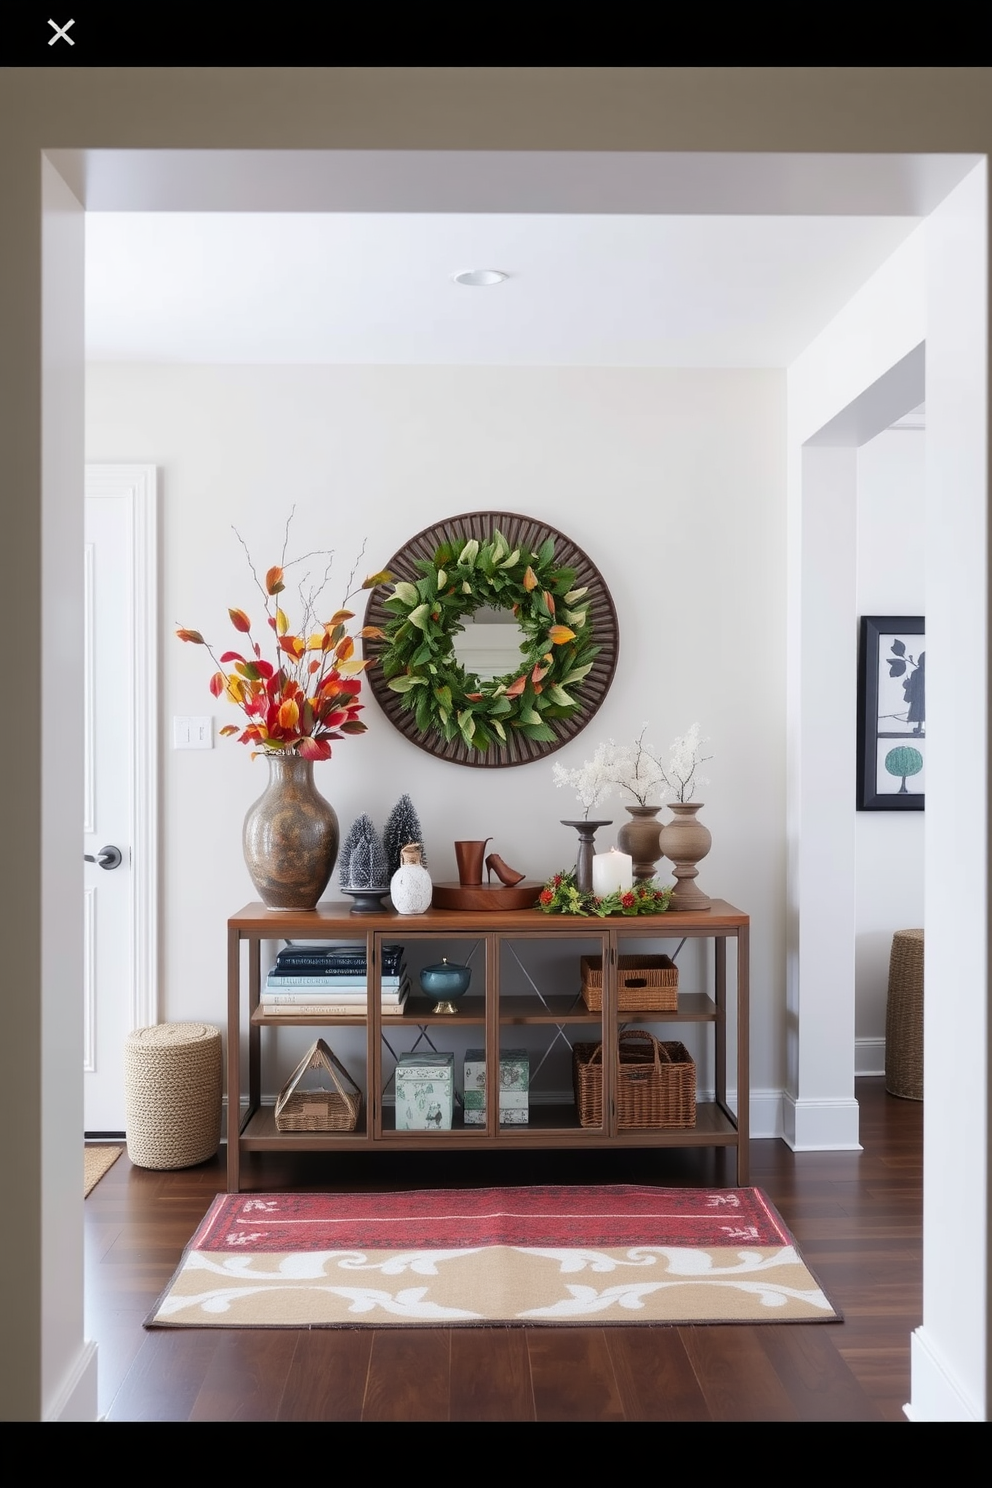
(314, 749)
(352, 685)
(473, 697)
(354, 726)
(191, 635)
(217, 683)
(240, 620)
(231, 656)
(273, 581)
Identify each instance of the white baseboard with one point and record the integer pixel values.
(77, 1400)
(820, 1125)
(869, 1056)
(937, 1395)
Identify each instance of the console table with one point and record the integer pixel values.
(494, 1015)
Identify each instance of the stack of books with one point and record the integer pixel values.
(332, 981)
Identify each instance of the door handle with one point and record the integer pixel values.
(107, 857)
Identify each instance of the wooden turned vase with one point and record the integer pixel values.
(686, 842)
(641, 838)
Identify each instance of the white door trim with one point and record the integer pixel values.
(137, 486)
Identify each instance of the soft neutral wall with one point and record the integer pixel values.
(888, 844)
(672, 481)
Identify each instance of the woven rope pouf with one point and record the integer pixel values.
(904, 1017)
(172, 1077)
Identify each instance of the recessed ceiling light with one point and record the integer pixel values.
(477, 278)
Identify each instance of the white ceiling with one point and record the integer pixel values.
(377, 287)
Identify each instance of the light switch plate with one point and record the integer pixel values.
(192, 731)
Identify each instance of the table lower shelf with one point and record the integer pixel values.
(549, 1126)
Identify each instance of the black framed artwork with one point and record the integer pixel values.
(892, 713)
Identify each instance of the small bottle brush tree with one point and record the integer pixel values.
(363, 858)
(402, 826)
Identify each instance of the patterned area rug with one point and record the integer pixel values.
(464, 1257)
(96, 1162)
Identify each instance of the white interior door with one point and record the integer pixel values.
(119, 781)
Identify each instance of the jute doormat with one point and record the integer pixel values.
(522, 1256)
(96, 1162)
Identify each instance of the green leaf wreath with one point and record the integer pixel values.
(562, 895)
(418, 659)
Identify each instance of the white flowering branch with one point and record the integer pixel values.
(594, 781)
(680, 774)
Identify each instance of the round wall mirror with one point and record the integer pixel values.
(496, 641)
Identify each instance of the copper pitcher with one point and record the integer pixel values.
(470, 856)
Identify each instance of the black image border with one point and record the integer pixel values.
(871, 628)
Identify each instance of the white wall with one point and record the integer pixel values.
(888, 844)
(672, 481)
(843, 390)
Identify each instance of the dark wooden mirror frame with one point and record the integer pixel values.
(519, 531)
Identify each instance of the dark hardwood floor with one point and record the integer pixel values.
(857, 1218)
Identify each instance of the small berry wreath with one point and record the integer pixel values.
(418, 659)
(562, 895)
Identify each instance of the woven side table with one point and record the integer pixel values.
(172, 1078)
(904, 1016)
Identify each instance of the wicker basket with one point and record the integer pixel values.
(904, 1016)
(319, 1110)
(655, 1083)
(645, 984)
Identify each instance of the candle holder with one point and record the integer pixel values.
(587, 840)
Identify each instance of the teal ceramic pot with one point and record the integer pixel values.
(447, 981)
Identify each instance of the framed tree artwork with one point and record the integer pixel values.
(891, 713)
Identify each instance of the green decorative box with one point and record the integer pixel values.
(424, 1092)
(514, 1081)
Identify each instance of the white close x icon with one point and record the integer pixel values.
(60, 33)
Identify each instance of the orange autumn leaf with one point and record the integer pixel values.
(345, 648)
(273, 581)
(289, 714)
(240, 620)
(372, 633)
(529, 579)
(191, 635)
(549, 600)
(340, 616)
(516, 688)
(559, 634)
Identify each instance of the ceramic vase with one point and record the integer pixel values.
(290, 837)
(641, 837)
(410, 887)
(686, 841)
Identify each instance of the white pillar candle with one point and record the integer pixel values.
(612, 872)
